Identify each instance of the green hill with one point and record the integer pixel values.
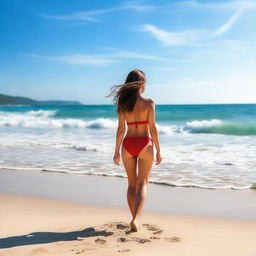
(17, 100)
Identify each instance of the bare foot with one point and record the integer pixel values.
(134, 226)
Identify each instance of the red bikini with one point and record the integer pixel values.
(135, 144)
(136, 123)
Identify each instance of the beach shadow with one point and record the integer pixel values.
(50, 237)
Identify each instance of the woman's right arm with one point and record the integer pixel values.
(153, 131)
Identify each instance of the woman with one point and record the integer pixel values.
(137, 146)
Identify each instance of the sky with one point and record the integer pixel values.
(193, 52)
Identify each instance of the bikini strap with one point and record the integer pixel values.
(138, 122)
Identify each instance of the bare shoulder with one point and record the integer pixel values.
(149, 101)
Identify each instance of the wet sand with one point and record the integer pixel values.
(111, 192)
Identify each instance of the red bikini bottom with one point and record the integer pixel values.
(135, 144)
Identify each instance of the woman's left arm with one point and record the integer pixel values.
(119, 137)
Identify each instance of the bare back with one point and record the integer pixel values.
(139, 113)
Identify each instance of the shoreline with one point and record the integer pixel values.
(111, 192)
(161, 183)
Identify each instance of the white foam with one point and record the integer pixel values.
(167, 129)
(101, 123)
(83, 147)
(195, 126)
(199, 126)
(43, 119)
(42, 113)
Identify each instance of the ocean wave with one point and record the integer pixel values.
(167, 129)
(216, 126)
(44, 119)
(42, 113)
(101, 123)
(47, 119)
(213, 126)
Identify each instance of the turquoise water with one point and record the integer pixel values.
(233, 119)
(207, 146)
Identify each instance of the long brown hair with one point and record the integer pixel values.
(125, 95)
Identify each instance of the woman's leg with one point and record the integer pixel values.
(130, 163)
(145, 162)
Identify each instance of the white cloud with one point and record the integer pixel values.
(81, 59)
(188, 37)
(134, 55)
(97, 59)
(74, 16)
(234, 5)
(225, 27)
(173, 38)
(136, 5)
(90, 15)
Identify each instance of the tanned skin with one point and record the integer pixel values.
(144, 109)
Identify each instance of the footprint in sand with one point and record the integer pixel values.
(122, 226)
(173, 239)
(122, 240)
(141, 240)
(100, 241)
(121, 230)
(155, 229)
(158, 231)
(136, 239)
(78, 251)
(124, 250)
(151, 227)
(115, 227)
(154, 237)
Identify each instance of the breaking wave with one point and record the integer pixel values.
(44, 119)
(219, 127)
(47, 119)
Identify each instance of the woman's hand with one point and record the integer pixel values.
(158, 158)
(116, 158)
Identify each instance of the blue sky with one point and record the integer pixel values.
(191, 51)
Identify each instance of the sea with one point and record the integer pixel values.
(205, 146)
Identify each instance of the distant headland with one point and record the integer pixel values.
(17, 100)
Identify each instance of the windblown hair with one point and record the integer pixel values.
(125, 95)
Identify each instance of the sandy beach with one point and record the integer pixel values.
(41, 221)
(37, 226)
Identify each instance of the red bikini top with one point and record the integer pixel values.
(136, 123)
